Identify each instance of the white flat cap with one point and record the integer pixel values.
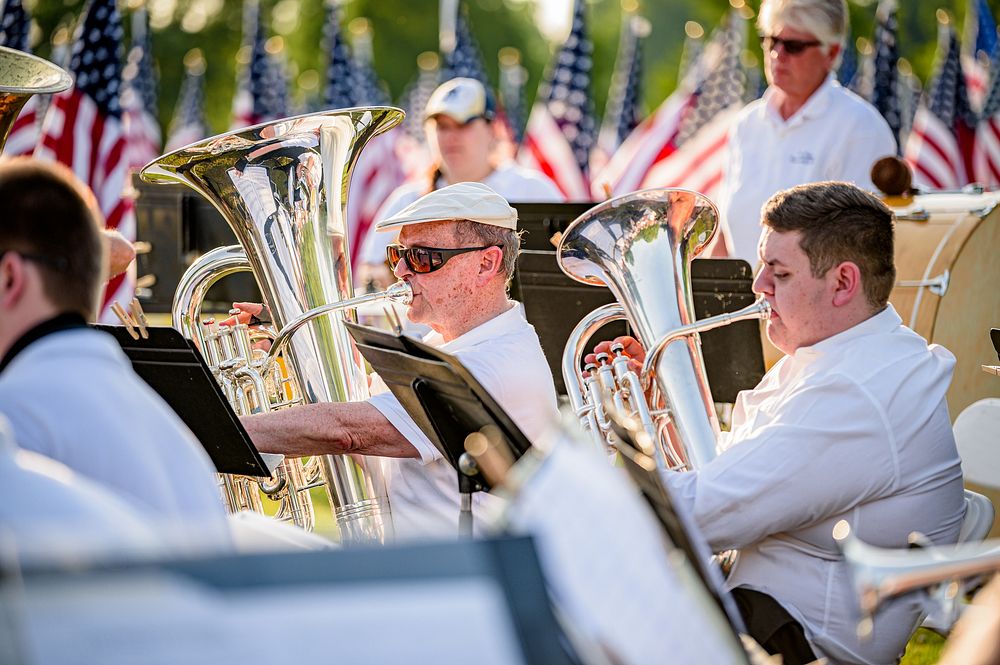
(473, 201)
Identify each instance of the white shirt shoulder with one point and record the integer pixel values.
(522, 185)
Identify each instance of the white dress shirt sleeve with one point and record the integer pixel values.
(791, 472)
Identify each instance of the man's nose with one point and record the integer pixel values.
(762, 284)
(401, 269)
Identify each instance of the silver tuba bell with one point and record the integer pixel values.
(24, 75)
(641, 246)
(282, 187)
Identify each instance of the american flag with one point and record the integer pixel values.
(986, 152)
(694, 44)
(863, 82)
(370, 90)
(461, 56)
(411, 142)
(682, 144)
(513, 76)
(939, 147)
(979, 46)
(848, 67)
(189, 123)
(338, 90)
(258, 95)
(83, 127)
(697, 162)
(15, 27)
(623, 112)
(561, 129)
(142, 129)
(378, 171)
(885, 91)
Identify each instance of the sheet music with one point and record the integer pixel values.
(608, 568)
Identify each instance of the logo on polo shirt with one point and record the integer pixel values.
(803, 157)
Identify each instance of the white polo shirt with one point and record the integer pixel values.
(853, 428)
(836, 135)
(506, 358)
(509, 180)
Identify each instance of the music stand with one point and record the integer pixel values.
(445, 401)
(175, 369)
(676, 525)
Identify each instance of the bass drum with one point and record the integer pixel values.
(947, 272)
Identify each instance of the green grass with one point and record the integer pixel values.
(924, 648)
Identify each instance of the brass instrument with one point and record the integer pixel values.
(25, 75)
(641, 246)
(282, 187)
(880, 574)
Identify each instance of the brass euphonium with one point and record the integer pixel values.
(22, 76)
(641, 246)
(282, 187)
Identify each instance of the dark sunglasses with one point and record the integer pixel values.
(425, 259)
(57, 263)
(791, 46)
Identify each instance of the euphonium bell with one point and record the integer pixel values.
(641, 246)
(23, 75)
(282, 187)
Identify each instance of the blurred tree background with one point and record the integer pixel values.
(404, 28)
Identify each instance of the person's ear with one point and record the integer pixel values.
(491, 263)
(845, 282)
(834, 51)
(12, 279)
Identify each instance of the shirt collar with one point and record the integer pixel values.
(491, 329)
(883, 322)
(815, 106)
(65, 321)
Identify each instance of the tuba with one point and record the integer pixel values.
(25, 75)
(282, 188)
(641, 246)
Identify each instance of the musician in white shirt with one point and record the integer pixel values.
(851, 425)
(68, 391)
(806, 127)
(456, 247)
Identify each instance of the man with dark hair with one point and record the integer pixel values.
(69, 391)
(850, 425)
(456, 248)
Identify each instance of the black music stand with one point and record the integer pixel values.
(445, 401)
(175, 369)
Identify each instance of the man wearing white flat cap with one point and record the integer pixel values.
(456, 247)
(462, 137)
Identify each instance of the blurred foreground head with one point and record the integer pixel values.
(51, 226)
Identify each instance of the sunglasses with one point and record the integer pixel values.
(423, 260)
(791, 46)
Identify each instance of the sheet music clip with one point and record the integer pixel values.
(134, 319)
(447, 403)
